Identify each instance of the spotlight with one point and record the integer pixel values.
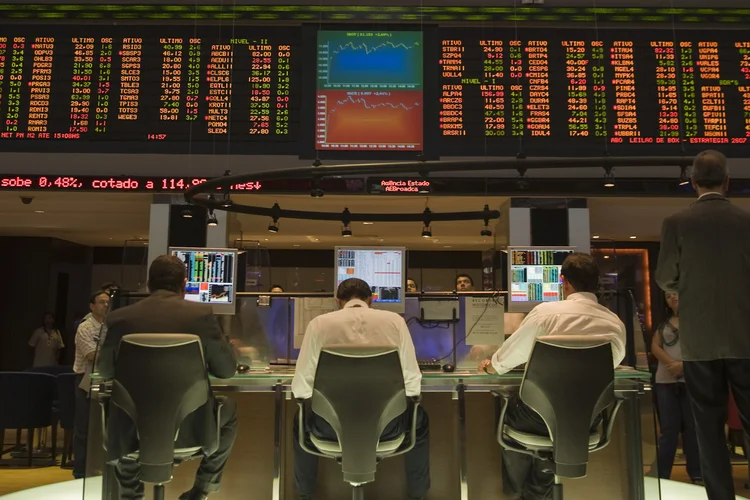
(273, 226)
(212, 221)
(486, 231)
(346, 231)
(521, 183)
(346, 218)
(225, 202)
(187, 213)
(316, 191)
(426, 232)
(684, 179)
(609, 178)
(426, 218)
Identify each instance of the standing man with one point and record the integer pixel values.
(356, 323)
(87, 339)
(705, 258)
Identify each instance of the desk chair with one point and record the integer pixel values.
(358, 390)
(569, 382)
(160, 379)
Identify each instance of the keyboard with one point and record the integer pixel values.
(429, 365)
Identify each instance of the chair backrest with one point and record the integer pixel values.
(159, 380)
(569, 381)
(66, 399)
(51, 369)
(359, 389)
(26, 400)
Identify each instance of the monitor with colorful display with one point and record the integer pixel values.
(534, 276)
(384, 269)
(211, 276)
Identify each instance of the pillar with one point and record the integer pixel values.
(547, 222)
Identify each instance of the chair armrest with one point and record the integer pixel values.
(608, 425)
(504, 392)
(504, 443)
(302, 431)
(416, 400)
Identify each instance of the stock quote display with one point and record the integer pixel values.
(168, 89)
(369, 91)
(569, 92)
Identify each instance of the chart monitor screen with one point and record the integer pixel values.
(384, 269)
(211, 276)
(534, 276)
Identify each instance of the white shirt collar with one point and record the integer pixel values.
(710, 193)
(355, 303)
(582, 296)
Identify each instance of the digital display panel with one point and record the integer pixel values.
(369, 91)
(534, 276)
(384, 269)
(581, 92)
(211, 276)
(165, 89)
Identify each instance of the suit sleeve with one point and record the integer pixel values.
(668, 266)
(220, 355)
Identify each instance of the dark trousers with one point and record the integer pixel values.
(708, 384)
(416, 461)
(675, 417)
(80, 430)
(523, 475)
(208, 476)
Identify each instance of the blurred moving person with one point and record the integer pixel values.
(47, 342)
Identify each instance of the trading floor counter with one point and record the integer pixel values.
(464, 454)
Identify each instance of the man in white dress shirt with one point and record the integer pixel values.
(357, 323)
(579, 314)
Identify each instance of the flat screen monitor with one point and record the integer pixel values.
(534, 276)
(384, 269)
(211, 276)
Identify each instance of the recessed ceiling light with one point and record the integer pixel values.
(38, 211)
(596, 237)
(447, 246)
(295, 245)
(606, 256)
(266, 239)
(632, 237)
(368, 223)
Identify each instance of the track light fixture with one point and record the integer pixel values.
(426, 219)
(684, 179)
(346, 218)
(486, 231)
(522, 183)
(212, 221)
(187, 212)
(225, 201)
(273, 226)
(609, 178)
(316, 191)
(426, 232)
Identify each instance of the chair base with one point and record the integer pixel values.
(557, 491)
(158, 492)
(358, 492)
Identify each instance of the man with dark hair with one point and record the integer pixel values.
(464, 283)
(357, 323)
(705, 259)
(167, 311)
(579, 314)
(88, 332)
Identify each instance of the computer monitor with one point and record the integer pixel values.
(384, 269)
(534, 276)
(211, 276)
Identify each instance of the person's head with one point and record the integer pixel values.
(411, 286)
(110, 287)
(276, 289)
(579, 273)
(464, 283)
(710, 172)
(167, 272)
(99, 303)
(673, 302)
(49, 321)
(351, 289)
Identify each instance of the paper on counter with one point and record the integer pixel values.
(305, 310)
(485, 320)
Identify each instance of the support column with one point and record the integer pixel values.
(548, 222)
(168, 227)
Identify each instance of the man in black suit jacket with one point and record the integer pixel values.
(705, 258)
(167, 311)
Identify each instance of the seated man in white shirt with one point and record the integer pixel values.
(357, 323)
(579, 314)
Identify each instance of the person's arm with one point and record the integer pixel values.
(220, 355)
(307, 363)
(34, 340)
(60, 343)
(668, 264)
(85, 343)
(659, 352)
(517, 348)
(409, 364)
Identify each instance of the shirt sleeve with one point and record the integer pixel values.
(409, 364)
(517, 348)
(60, 343)
(307, 363)
(618, 346)
(34, 340)
(85, 338)
(668, 264)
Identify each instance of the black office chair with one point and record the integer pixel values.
(26, 403)
(160, 381)
(358, 390)
(569, 382)
(66, 412)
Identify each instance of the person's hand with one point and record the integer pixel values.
(485, 367)
(676, 369)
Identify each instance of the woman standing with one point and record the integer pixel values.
(675, 412)
(46, 342)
